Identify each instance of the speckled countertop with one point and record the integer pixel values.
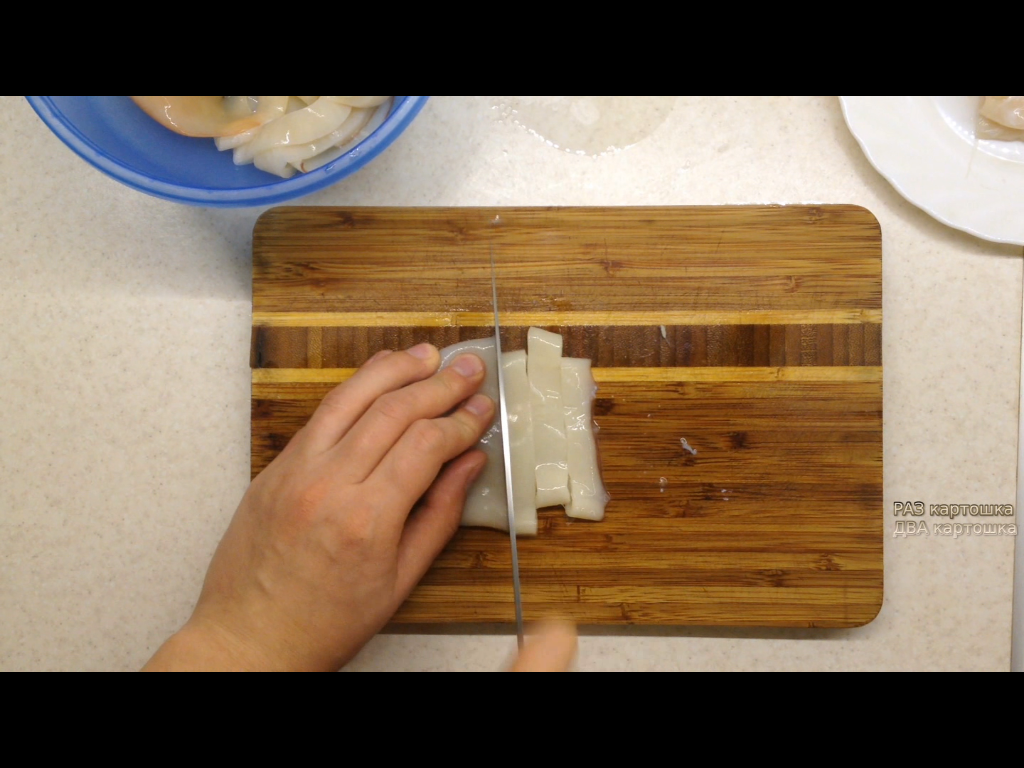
(124, 383)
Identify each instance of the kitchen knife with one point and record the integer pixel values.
(506, 454)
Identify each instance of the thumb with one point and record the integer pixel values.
(551, 647)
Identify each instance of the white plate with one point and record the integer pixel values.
(926, 148)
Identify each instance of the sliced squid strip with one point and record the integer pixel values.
(545, 375)
(520, 438)
(275, 160)
(230, 142)
(485, 501)
(377, 117)
(588, 495)
(272, 106)
(245, 153)
(266, 108)
(292, 130)
(302, 126)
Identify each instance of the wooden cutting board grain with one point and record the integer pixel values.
(738, 356)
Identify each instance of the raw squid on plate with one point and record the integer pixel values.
(551, 435)
(1001, 118)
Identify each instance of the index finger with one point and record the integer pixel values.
(408, 469)
(346, 403)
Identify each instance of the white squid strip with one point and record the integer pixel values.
(272, 162)
(520, 438)
(297, 127)
(231, 142)
(485, 502)
(275, 106)
(545, 376)
(267, 108)
(586, 488)
(277, 159)
(302, 126)
(379, 116)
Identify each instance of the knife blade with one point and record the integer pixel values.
(506, 451)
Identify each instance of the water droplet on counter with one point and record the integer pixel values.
(662, 482)
(586, 125)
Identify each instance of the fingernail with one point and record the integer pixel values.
(422, 351)
(479, 405)
(468, 365)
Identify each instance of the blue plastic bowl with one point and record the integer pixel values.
(115, 136)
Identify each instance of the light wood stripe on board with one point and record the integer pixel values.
(271, 376)
(568, 318)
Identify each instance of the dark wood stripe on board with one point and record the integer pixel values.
(606, 346)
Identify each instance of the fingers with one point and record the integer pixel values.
(384, 372)
(411, 466)
(551, 647)
(435, 521)
(387, 420)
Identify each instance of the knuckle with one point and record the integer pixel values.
(470, 429)
(394, 406)
(427, 436)
(454, 386)
(295, 444)
(334, 400)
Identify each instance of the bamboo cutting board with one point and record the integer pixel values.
(737, 352)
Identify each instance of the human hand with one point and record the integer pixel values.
(323, 548)
(550, 646)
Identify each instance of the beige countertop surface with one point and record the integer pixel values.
(124, 381)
